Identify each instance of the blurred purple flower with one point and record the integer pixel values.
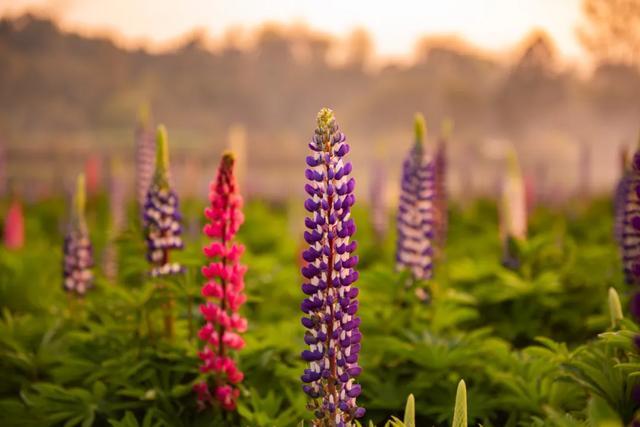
(620, 197)
(77, 249)
(630, 246)
(161, 214)
(415, 219)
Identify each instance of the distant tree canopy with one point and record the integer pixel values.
(58, 89)
(612, 31)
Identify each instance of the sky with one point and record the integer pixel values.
(492, 25)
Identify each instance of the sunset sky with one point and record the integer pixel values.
(494, 25)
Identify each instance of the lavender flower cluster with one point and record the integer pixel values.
(415, 220)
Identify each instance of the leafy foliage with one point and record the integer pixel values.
(528, 342)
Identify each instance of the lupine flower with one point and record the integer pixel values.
(14, 226)
(415, 221)
(144, 158)
(93, 173)
(619, 199)
(441, 222)
(223, 291)
(162, 214)
(117, 209)
(513, 210)
(630, 246)
(378, 199)
(330, 309)
(631, 232)
(78, 252)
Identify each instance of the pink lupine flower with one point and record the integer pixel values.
(14, 226)
(93, 174)
(441, 199)
(223, 292)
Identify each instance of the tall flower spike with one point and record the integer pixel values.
(14, 226)
(223, 291)
(117, 213)
(378, 199)
(78, 252)
(415, 220)
(93, 174)
(620, 195)
(162, 214)
(631, 232)
(441, 220)
(143, 157)
(513, 209)
(331, 305)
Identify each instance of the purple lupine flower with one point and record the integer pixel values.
(441, 216)
(78, 252)
(619, 198)
(330, 309)
(415, 220)
(161, 214)
(631, 232)
(144, 158)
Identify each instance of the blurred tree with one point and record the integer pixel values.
(359, 49)
(539, 55)
(612, 31)
(533, 88)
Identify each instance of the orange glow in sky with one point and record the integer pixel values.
(494, 25)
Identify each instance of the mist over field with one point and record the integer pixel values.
(64, 94)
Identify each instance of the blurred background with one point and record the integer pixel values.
(558, 80)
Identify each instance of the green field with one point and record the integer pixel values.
(529, 343)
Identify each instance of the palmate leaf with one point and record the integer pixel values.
(55, 404)
(600, 414)
(605, 368)
(266, 411)
(130, 420)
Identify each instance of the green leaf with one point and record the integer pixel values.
(600, 414)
